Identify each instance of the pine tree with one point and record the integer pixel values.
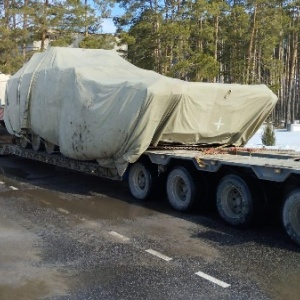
(25, 21)
(268, 135)
(104, 41)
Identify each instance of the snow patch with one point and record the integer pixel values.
(285, 140)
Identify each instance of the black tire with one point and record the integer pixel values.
(291, 215)
(50, 148)
(235, 203)
(36, 142)
(181, 189)
(141, 179)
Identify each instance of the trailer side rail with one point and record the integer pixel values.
(59, 160)
(267, 166)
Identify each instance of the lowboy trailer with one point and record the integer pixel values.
(245, 184)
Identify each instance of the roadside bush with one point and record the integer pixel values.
(268, 135)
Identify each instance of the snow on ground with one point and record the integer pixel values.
(285, 140)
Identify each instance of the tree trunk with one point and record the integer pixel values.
(216, 41)
(251, 45)
(85, 19)
(25, 25)
(6, 13)
(292, 74)
(157, 50)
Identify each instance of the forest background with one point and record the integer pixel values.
(247, 42)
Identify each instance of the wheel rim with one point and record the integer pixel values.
(234, 203)
(140, 180)
(180, 189)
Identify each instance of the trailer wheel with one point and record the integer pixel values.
(181, 189)
(36, 142)
(50, 148)
(291, 215)
(140, 180)
(24, 141)
(235, 201)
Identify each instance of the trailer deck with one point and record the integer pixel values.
(266, 164)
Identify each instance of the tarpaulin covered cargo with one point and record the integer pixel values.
(97, 106)
(3, 81)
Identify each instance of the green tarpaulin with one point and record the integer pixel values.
(97, 106)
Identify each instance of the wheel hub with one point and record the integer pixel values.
(235, 203)
(181, 189)
(141, 180)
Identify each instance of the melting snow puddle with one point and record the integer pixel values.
(13, 188)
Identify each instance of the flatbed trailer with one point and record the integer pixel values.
(244, 183)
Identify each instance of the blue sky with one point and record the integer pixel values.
(108, 24)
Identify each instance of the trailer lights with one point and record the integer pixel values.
(277, 171)
(201, 163)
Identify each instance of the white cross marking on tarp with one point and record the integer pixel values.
(219, 124)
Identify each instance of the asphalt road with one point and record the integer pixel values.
(66, 235)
